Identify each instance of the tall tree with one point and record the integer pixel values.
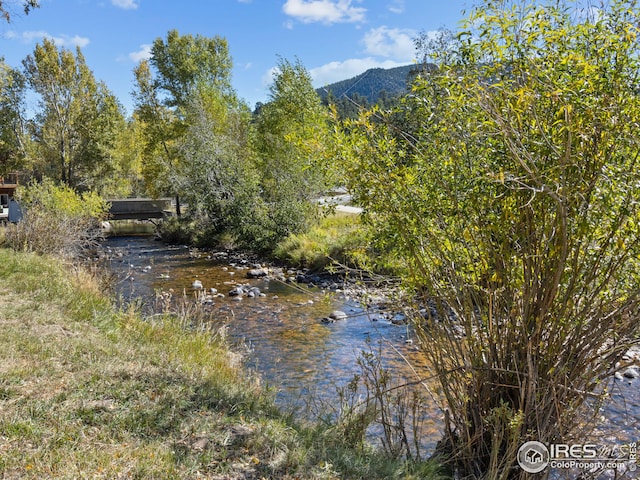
(158, 125)
(218, 176)
(184, 61)
(165, 84)
(291, 137)
(78, 117)
(12, 129)
(515, 200)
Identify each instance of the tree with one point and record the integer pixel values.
(27, 6)
(110, 168)
(291, 138)
(78, 120)
(126, 179)
(12, 129)
(218, 177)
(158, 124)
(515, 203)
(182, 63)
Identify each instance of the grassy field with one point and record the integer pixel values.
(87, 391)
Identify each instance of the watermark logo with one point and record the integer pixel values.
(533, 457)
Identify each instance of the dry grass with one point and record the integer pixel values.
(84, 397)
(89, 392)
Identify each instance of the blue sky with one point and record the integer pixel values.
(334, 39)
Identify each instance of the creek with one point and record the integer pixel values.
(286, 342)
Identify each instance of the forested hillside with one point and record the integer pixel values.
(371, 84)
(376, 86)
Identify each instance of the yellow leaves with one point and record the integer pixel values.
(447, 245)
(630, 34)
(467, 235)
(522, 96)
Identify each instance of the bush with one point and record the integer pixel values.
(514, 200)
(57, 220)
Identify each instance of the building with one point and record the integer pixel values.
(9, 208)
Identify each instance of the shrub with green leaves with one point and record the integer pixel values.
(514, 197)
(57, 220)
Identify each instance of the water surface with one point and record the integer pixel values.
(304, 359)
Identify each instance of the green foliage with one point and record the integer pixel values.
(61, 200)
(171, 87)
(183, 62)
(12, 89)
(334, 239)
(219, 180)
(291, 144)
(57, 220)
(514, 201)
(125, 177)
(197, 136)
(160, 130)
(78, 121)
(338, 241)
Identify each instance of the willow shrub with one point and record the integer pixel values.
(509, 179)
(57, 220)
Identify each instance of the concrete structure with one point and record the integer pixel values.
(139, 208)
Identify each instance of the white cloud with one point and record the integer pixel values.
(336, 71)
(143, 54)
(37, 35)
(324, 11)
(397, 6)
(125, 4)
(391, 43)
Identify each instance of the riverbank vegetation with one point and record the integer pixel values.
(340, 242)
(503, 189)
(90, 391)
(57, 221)
(513, 195)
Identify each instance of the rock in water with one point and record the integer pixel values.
(257, 273)
(236, 292)
(338, 315)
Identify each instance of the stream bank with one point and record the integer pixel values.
(284, 338)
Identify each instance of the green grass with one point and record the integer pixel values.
(87, 391)
(339, 239)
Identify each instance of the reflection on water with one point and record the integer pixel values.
(296, 353)
(301, 357)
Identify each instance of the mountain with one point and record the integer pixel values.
(370, 84)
